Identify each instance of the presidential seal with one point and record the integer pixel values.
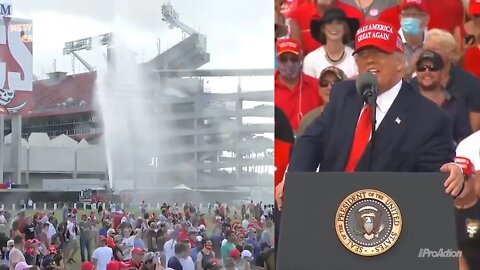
(368, 222)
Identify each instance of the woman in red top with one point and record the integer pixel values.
(467, 35)
(468, 39)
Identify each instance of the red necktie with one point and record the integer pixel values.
(361, 138)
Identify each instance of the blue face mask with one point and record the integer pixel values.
(411, 26)
(290, 70)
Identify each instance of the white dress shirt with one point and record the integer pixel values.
(385, 101)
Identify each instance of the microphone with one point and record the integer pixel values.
(366, 85)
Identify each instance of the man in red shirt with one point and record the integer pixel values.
(295, 93)
(302, 16)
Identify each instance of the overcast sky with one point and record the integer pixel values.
(239, 33)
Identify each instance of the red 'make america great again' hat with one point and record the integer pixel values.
(380, 35)
(420, 4)
(288, 45)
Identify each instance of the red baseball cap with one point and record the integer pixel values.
(86, 266)
(380, 35)
(116, 265)
(288, 45)
(420, 4)
(474, 8)
(235, 253)
(137, 251)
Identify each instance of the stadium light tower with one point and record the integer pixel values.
(171, 17)
(72, 47)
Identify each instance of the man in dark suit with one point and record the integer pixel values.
(412, 133)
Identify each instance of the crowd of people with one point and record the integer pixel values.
(316, 50)
(440, 42)
(178, 237)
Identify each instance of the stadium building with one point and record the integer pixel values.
(211, 145)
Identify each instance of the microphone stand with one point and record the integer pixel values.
(372, 101)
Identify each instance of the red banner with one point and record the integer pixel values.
(16, 65)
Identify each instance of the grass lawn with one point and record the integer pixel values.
(136, 212)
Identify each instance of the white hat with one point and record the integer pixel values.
(201, 227)
(246, 254)
(199, 238)
(22, 266)
(224, 241)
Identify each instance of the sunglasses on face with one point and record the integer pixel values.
(325, 83)
(424, 68)
(284, 59)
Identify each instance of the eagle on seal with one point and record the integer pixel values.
(368, 222)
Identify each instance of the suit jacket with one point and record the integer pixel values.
(421, 141)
